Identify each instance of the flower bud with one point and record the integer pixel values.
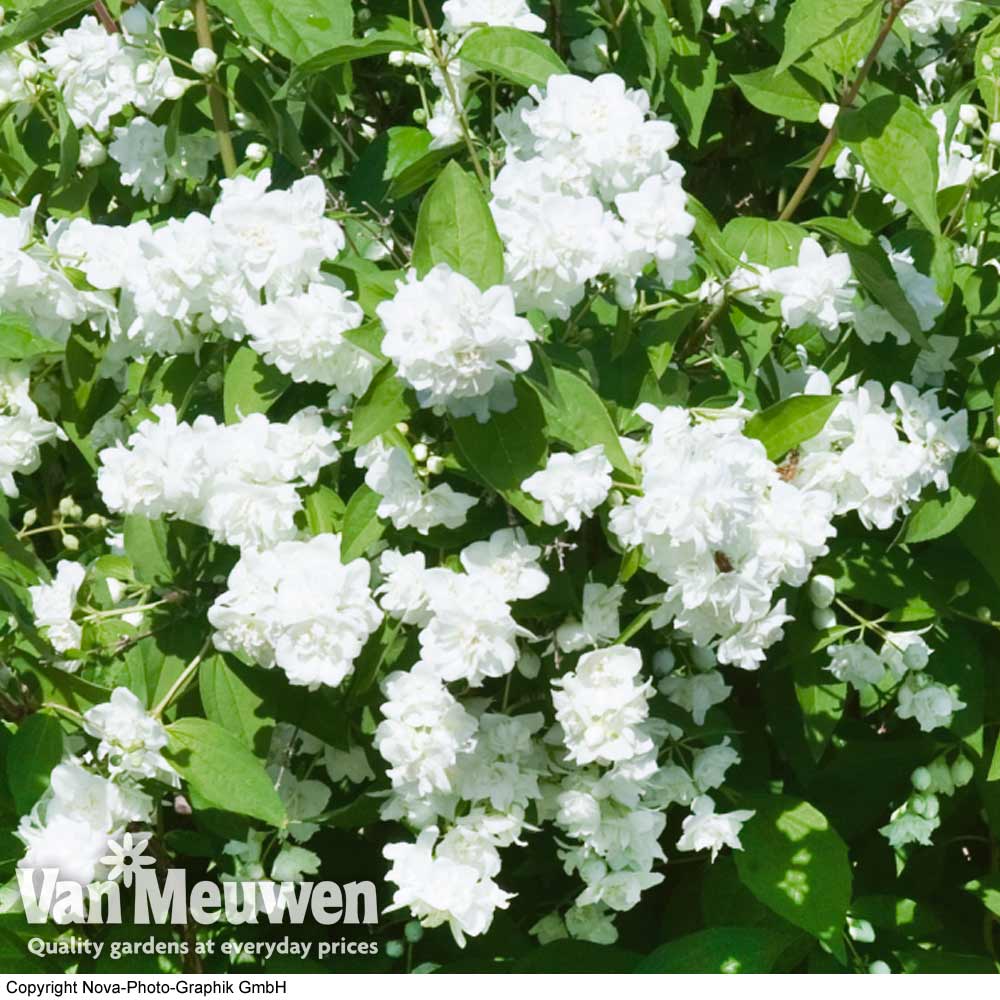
(528, 664)
(921, 779)
(663, 662)
(173, 89)
(420, 452)
(822, 590)
(984, 614)
(394, 949)
(30, 517)
(204, 61)
(994, 134)
(27, 69)
(256, 151)
(962, 588)
(968, 114)
(703, 657)
(879, 969)
(92, 151)
(828, 115)
(241, 119)
(70, 542)
(823, 618)
(413, 931)
(962, 771)
(435, 465)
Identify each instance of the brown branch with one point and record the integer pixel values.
(104, 16)
(846, 101)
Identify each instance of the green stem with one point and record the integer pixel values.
(178, 686)
(216, 99)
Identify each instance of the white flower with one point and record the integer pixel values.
(471, 634)
(571, 487)
(508, 562)
(22, 429)
(706, 830)
(423, 730)
(53, 604)
(925, 18)
(856, 663)
(600, 619)
(405, 501)
(460, 15)
(601, 704)
(905, 651)
(696, 693)
(711, 763)
(303, 335)
(932, 705)
(277, 238)
(297, 606)
(459, 347)
(438, 890)
(130, 738)
(818, 289)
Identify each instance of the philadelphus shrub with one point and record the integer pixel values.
(538, 458)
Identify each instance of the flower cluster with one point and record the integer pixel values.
(588, 189)
(239, 481)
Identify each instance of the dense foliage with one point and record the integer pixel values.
(540, 457)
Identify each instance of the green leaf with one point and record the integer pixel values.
(941, 514)
(822, 699)
(844, 51)
(410, 162)
(987, 891)
(35, 22)
(324, 510)
(790, 94)
(507, 449)
(771, 244)
(385, 403)
(362, 528)
(34, 750)
(155, 662)
(389, 34)
(230, 702)
(811, 22)
(690, 82)
(898, 146)
(719, 949)
(794, 862)
(250, 386)
(787, 424)
(298, 29)
(575, 415)
(516, 55)
(19, 342)
(222, 771)
(455, 227)
(149, 549)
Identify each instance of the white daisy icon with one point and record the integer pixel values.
(127, 858)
